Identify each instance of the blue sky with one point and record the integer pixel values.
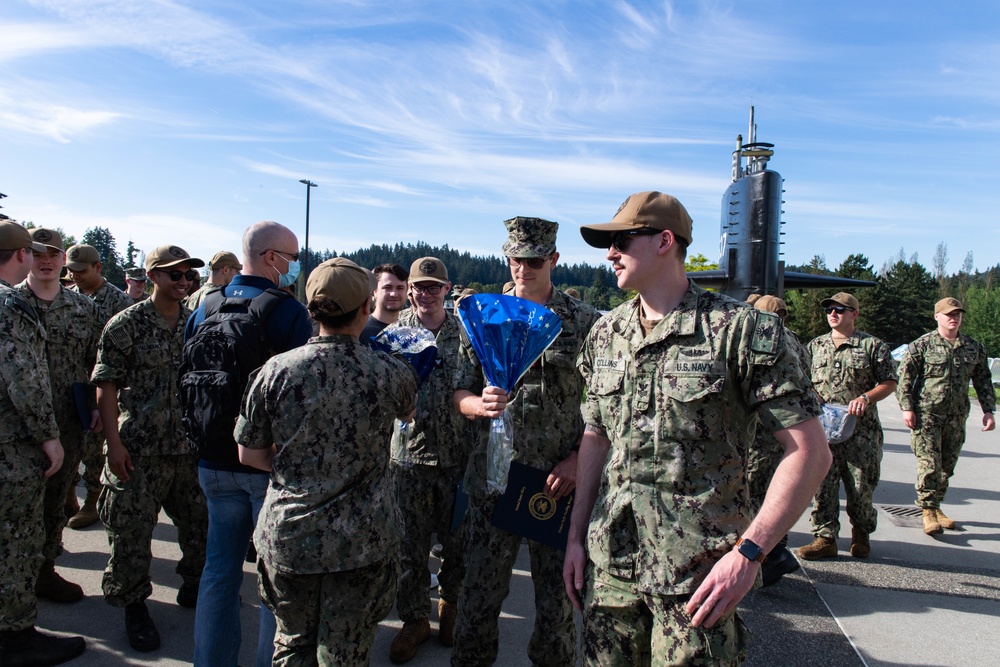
(183, 121)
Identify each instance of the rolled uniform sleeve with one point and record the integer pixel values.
(113, 352)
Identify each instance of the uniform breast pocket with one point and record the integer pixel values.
(607, 387)
(935, 364)
(689, 414)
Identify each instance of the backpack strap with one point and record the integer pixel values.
(213, 301)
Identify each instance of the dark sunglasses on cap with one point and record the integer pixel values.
(175, 276)
(620, 241)
(533, 263)
(836, 309)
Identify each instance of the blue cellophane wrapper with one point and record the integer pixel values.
(508, 335)
(838, 423)
(418, 347)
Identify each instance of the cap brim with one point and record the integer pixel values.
(953, 310)
(826, 302)
(38, 247)
(77, 266)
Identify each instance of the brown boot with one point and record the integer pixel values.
(945, 522)
(51, 586)
(87, 515)
(409, 639)
(447, 612)
(931, 525)
(72, 505)
(860, 547)
(820, 547)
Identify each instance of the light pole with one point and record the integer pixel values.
(305, 258)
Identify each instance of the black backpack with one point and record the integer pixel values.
(217, 362)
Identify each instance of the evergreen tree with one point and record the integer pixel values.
(982, 318)
(103, 241)
(805, 316)
(902, 303)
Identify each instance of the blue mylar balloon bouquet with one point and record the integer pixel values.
(508, 335)
(417, 346)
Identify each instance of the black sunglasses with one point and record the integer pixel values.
(620, 241)
(175, 276)
(836, 309)
(533, 263)
(294, 257)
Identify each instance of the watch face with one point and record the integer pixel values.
(750, 550)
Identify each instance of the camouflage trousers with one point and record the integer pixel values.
(937, 441)
(425, 499)
(858, 463)
(59, 484)
(763, 457)
(93, 461)
(625, 626)
(489, 564)
(130, 511)
(21, 533)
(327, 619)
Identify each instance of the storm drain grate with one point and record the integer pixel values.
(907, 516)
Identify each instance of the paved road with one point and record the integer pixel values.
(917, 601)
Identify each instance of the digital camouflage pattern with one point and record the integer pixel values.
(72, 328)
(545, 408)
(130, 511)
(934, 377)
(193, 302)
(327, 619)
(840, 375)
(328, 406)
(141, 356)
(545, 403)
(109, 301)
(530, 237)
(26, 421)
(425, 477)
(615, 634)
(675, 405)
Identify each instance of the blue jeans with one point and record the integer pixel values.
(234, 500)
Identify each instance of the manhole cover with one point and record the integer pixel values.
(907, 516)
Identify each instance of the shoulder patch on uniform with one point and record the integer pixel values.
(766, 333)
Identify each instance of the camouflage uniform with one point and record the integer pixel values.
(673, 500)
(840, 375)
(141, 356)
(26, 421)
(933, 382)
(545, 408)
(425, 478)
(327, 535)
(73, 328)
(109, 301)
(194, 301)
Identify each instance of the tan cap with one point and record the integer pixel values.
(948, 305)
(166, 256)
(224, 258)
(342, 281)
(530, 237)
(652, 210)
(49, 238)
(429, 269)
(770, 304)
(841, 299)
(14, 237)
(81, 256)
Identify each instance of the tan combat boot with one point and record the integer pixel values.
(945, 522)
(409, 639)
(72, 505)
(820, 547)
(88, 513)
(931, 525)
(447, 612)
(50, 586)
(860, 547)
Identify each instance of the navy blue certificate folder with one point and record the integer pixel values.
(526, 510)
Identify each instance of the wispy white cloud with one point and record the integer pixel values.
(54, 121)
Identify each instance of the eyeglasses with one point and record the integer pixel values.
(294, 257)
(175, 276)
(836, 309)
(533, 263)
(433, 290)
(620, 241)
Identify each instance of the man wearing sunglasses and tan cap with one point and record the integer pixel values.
(849, 367)
(150, 464)
(545, 408)
(222, 268)
(30, 452)
(663, 544)
(933, 393)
